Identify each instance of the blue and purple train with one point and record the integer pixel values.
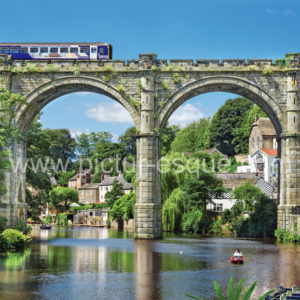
(64, 51)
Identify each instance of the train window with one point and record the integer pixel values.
(14, 50)
(53, 50)
(3, 49)
(64, 50)
(24, 50)
(74, 50)
(34, 50)
(94, 50)
(101, 50)
(44, 50)
(84, 50)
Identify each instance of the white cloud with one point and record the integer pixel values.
(185, 114)
(78, 131)
(109, 112)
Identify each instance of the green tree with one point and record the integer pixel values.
(62, 196)
(241, 134)
(59, 143)
(229, 117)
(83, 145)
(191, 137)
(123, 209)
(247, 194)
(115, 193)
(173, 209)
(63, 178)
(128, 141)
(167, 137)
(86, 143)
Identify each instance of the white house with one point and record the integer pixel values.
(265, 163)
(107, 184)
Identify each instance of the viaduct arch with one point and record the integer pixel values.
(151, 90)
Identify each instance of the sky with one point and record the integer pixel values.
(189, 29)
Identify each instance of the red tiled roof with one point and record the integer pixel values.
(272, 152)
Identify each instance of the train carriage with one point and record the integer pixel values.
(64, 51)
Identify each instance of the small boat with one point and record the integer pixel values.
(44, 226)
(237, 259)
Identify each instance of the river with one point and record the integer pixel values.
(100, 263)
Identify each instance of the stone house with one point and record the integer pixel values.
(107, 184)
(262, 135)
(89, 193)
(80, 179)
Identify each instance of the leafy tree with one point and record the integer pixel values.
(123, 209)
(192, 221)
(128, 141)
(86, 143)
(229, 117)
(61, 196)
(172, 211)
(60, 144)
(247, 194)
(63, 178)
(83, 145)
(241, 134)
(106, 149)
(167, 137)
(115, 193)
(191, 137)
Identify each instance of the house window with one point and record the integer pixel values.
(252, 142)
(218, 207)
(258, 142)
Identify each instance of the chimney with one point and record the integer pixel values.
(256, 118)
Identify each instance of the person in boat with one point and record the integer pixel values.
(238, 253)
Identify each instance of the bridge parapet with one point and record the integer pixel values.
(150, 62)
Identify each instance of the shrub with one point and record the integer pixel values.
(216, 228)
(287, 236)
(23, 227)
(191, 221)
(3, 222)
(16, 239)
(4, 245)
(62, 219)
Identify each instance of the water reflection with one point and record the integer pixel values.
(147, 269)
(105, 264)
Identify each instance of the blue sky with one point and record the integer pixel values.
(173, 29)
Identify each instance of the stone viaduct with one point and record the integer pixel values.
(151, 90)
